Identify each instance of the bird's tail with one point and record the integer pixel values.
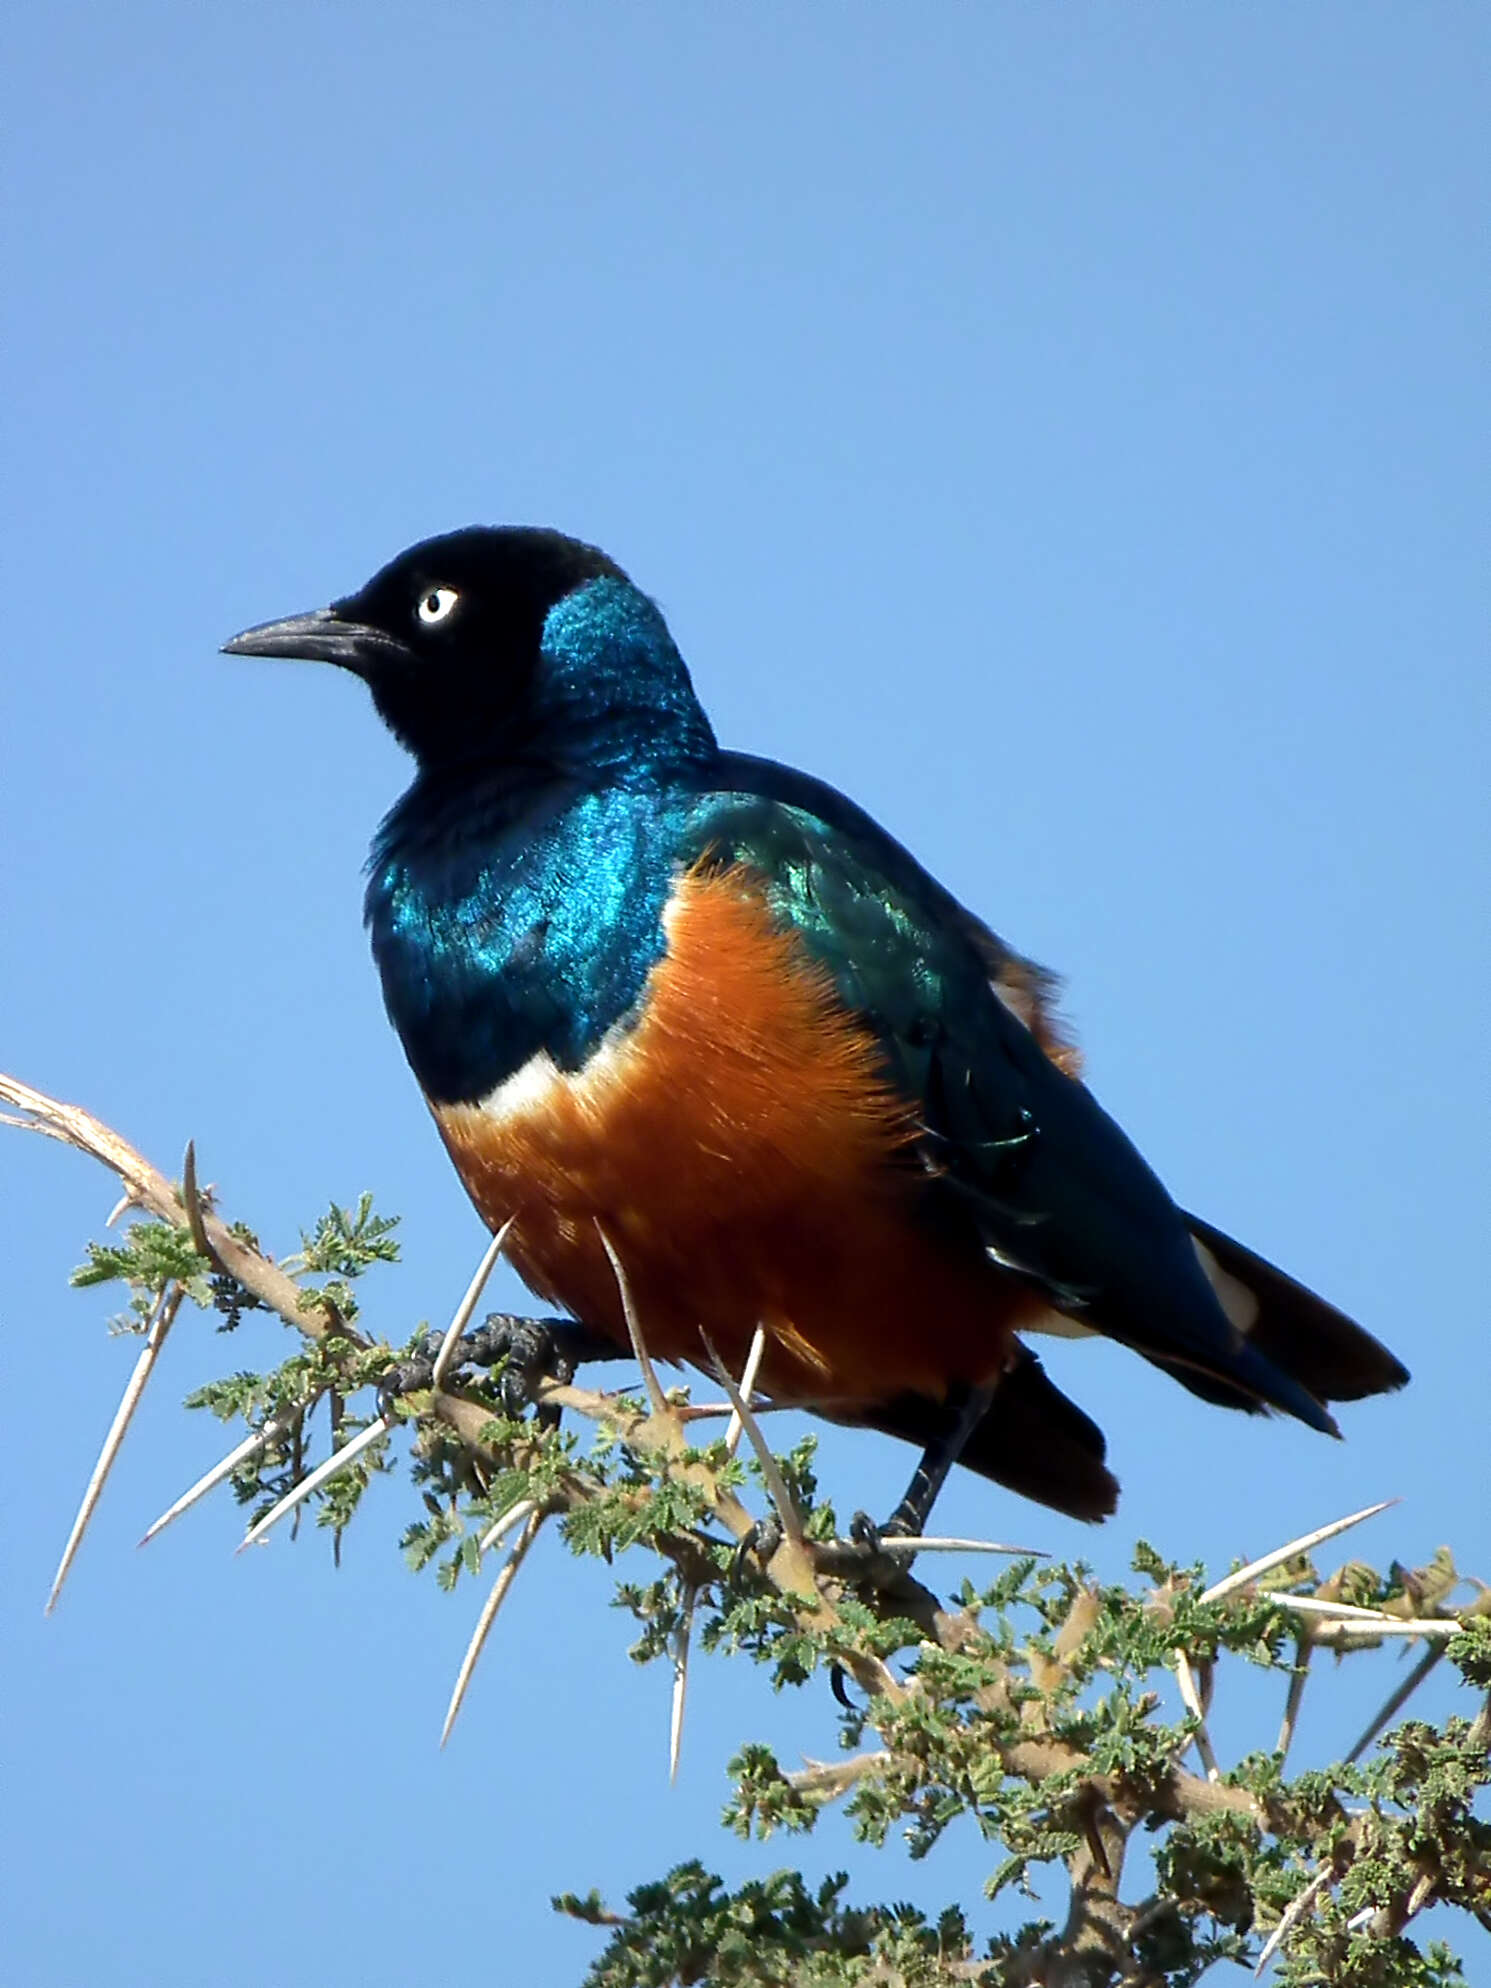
(1319, 1348)
(1032, 1439)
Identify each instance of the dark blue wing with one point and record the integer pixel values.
(1060, 1196)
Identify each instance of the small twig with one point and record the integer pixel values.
(1231, 1582)
(776, 1484)
(1395, 1702)
(1185, 1677)
(830, 1778)
(129, 1401)
(273, 1429)
(500, 1587)
(468, 1304)
(332, 1465)
(1292, 1914)
(655, 1396)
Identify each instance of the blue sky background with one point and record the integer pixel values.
(1063, 427)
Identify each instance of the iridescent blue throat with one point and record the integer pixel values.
(515, 904)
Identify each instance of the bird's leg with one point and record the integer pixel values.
(535, 1349)
(908, 1520)
(862, 1556)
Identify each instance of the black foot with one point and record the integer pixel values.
(535, 1349)
(862, 1556)
(760, 1543)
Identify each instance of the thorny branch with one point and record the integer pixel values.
(968, 1717)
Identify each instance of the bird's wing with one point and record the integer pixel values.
(1058, 1193)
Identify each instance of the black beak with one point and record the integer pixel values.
(322, 636)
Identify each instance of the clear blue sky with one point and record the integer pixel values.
(1063, 427)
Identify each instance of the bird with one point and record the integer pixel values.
(716, 1047)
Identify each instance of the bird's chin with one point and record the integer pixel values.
(323, 636)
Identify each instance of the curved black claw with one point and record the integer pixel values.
(839, 1682)
(862, 1556)
(536, 1350)
(408, 1376)
(762, 1541)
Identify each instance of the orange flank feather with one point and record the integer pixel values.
(749, 1160)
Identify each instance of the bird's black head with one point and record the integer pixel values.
(455, 641)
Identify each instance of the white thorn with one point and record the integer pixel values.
(1293, 1913)
(1294, 1700)
(513, 1516)
(1360, 1919)
(1339, 1622)
(776, 1484)
(904, 1543)
(681, 1641)
(747, 1387)
(469, 1303)
(250, 1447)
(129, 1401)
(655, 1394)
(1185, 1677)
(125, 1202)
(337, 1461)
(505, 1578)
(1230, 1583)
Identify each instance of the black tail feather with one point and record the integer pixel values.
(1322, 1349)
(1033, 1440)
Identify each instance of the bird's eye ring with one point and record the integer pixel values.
(437, 605)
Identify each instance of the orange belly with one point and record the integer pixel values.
(751, 1165)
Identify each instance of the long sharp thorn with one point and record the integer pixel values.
(681, 1641)
(129, 1401)
(776, 1484)
(1230, 1583)
(896, 1542)
(468, 1304)
(1185, 1677)
(505, 1578)
(1368, 1621)
(747, 1387)
(192, 1202)
(1394, 1704)
(313, 1480)
(249, 1448)
(1293, 1913)
(514, 1515)
(655, 1396)
(125, 1201)
(1293, 1702)
(1343, 1635)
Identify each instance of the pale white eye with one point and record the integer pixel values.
(438, 605)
